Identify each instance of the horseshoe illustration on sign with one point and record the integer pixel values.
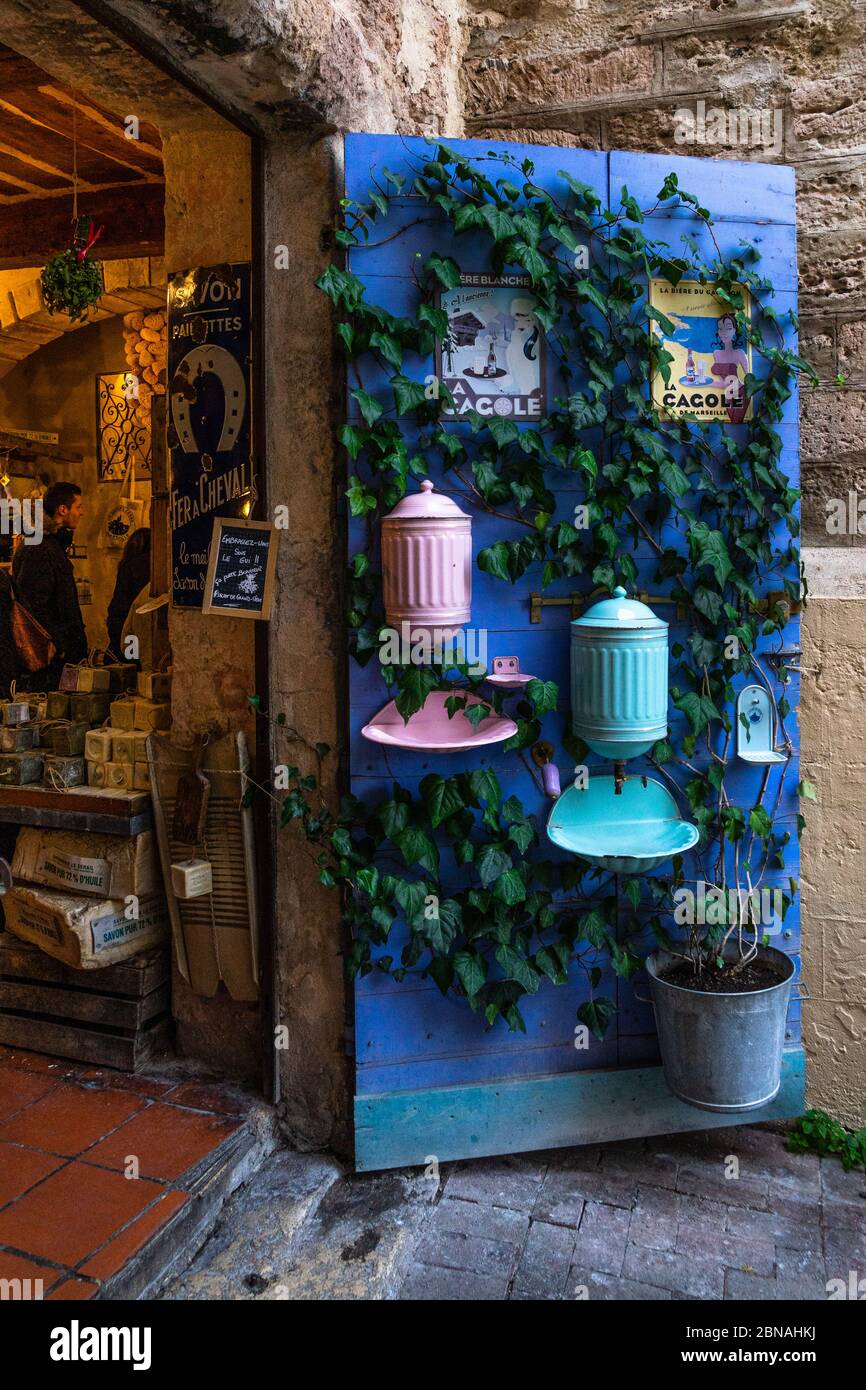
(208, 402)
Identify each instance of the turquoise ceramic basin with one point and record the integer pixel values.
(629, 833)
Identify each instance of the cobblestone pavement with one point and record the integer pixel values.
(725, 1214)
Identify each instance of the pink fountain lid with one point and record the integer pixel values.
(426, 503)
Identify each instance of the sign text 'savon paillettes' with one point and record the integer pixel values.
(209, 415)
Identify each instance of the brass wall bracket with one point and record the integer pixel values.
(577, 602)
(791, 605)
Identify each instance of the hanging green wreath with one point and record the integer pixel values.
(518, 918)
(72, 282)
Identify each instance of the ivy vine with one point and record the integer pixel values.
(517, 918)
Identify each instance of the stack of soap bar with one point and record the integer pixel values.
(149, 715)
(154, 685)
(20, 769)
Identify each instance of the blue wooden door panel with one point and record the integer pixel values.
(421, 1059)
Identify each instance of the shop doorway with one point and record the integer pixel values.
(109, 157)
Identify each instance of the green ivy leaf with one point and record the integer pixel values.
(369, 407)
(543, 694)
(597, 1014)
(416, 847)
(471, 971)
(491, 861)
(510, 888)
(446, 270)
(441, 797)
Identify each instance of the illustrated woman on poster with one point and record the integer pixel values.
(728, 359)
(522, 356)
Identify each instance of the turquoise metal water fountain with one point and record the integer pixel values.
(619, 707)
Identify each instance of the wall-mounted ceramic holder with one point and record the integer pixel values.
(507, 674)
(756, 738)
(430, 730)
(630, 831)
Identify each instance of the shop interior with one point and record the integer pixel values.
(120, 1013)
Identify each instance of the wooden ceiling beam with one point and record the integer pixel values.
(133, 218)
(91, 134)
(85, 190)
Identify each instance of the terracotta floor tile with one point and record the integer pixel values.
(149, 1086)
(70, 1119)
(21, 1088)
(34, 1061)
(74, 1288)
(17, 1267)
(134, 1238)
(74, 1212)
(198, 1095)
(20, 1169)
(166, 1140)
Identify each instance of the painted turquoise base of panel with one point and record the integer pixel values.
(405, 1129)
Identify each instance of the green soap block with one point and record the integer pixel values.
(18, 769)
(91, 707)
(57, 706)
(64, 772)
(16, 738)
(67, 740)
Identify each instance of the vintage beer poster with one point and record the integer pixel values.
(492, 357)
(711, 355)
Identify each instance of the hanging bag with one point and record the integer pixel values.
(33, 643)
(128, 515)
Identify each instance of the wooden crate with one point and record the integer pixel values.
(117, 1017)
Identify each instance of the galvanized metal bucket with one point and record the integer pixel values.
(722, 1051)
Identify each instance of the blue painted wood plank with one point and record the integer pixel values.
(732, 190)
(405, 1129)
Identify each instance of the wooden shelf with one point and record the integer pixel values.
(104, 810)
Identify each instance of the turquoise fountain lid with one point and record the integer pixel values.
(619, 611)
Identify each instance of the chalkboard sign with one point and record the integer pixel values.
(240, 572)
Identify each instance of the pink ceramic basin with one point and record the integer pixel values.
(430, 728)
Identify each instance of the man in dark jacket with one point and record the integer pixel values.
(44, 577)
